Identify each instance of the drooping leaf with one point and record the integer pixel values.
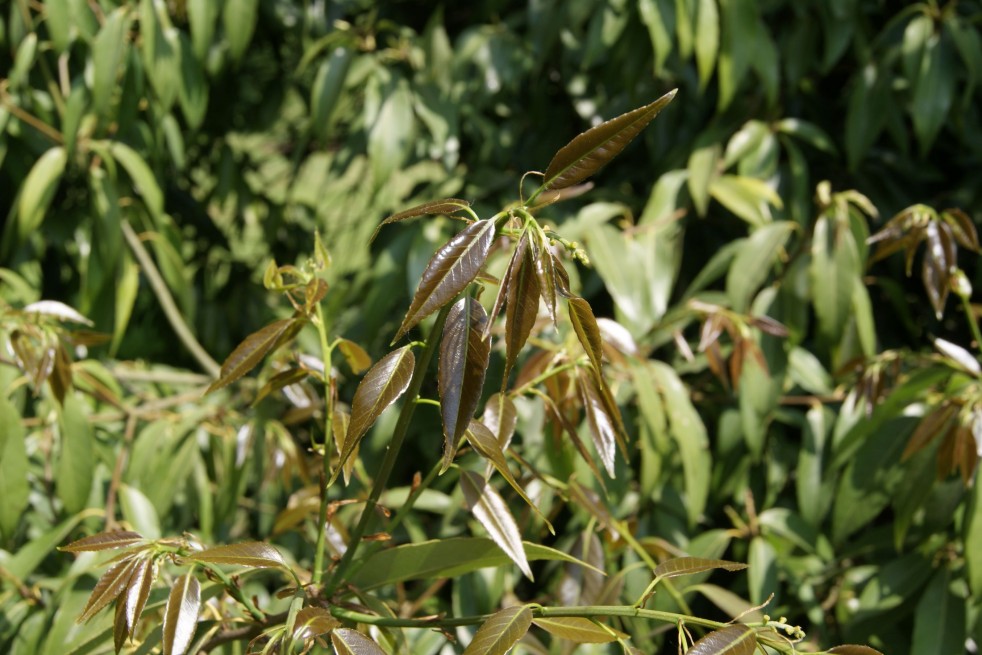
(706, 40)
(500, 417)
(578, 629)
(108, 56)
(501, 631)
(451, 269)
(313, 622)
(590, 151)
(487, 445)
(121, 631)
(731, 640)
(358, 360)
(254, 554)
(38, 190)
(253, 349)
(382, 385)
(351, 642)
(587, 331)
(835, 262)
(464, 356)
(447, 206)
(602, 424)
(181, 615)
(14, 487)
(489, 508)
(108, 588)
(688, 565)
(103, 541)
(76, 461)
(523, 304)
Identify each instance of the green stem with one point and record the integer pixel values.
(326, 350)
(392, 453)
(973, 323)
(234, 591)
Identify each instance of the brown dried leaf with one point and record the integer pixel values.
(447, 206)
(254, 554)
(253, 349)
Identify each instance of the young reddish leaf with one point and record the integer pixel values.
(138, 591)
(590, 151)
(108, 588)
(451, 269)
(853, 649)
(120, 630)
(962, 228)
(313, 622)
(253, 349)
(464, 355)
(688, 565)
(500, 417)
(517, 257)
(339, 427)
(358, 360)
(351, 642)
(103, 541)
(501, 631)
(446, 206)
(965, 453)
(488, 447)
(280, 380)
(546, 272)
(60, 379)
(602, 425)
(181, 615)
(731, 640)
(523, 306)
(254, 554)
(578, 629)
(587, 331)
(488, 507)
(558, 195)
(380, 387)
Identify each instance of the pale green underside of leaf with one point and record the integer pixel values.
(489, 508)
(501, 631)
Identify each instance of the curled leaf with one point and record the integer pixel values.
(181, 615)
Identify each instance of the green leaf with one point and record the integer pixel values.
(141, 175)
(253, 349)
(489, 508)
(678, 566)
(731, 640)
(390, 139)
(523, 301)
(254, 554)
(862, 310)
(657, 15)
(754, 261)
(869, 102)
(358, 360)
(39, 189)
(160, 50)
(108, 55)
(762, 574)
(29, 556)
(14, 488)
(450, 270)
(444, 558)
(707, 40)
(127, 287)
(730, 603)
(23, 61)
(939, 619)
(577, 629)
(501, 631)
(834, 266)
(327, 88)
(852, 649)
(807, 132)
(702, 169)
(447, 206)
(807, 372)
(381, 386)
(76, 461)
(192, 90)
(973, 540)
(202, 17)
(57, 18)
(181, 614)
(602, 425)
(239, 17)
(104, 541)
(813, 489)
(464, 356)
(139, 511)
(933, 92)
(747, 197)
(591, 150)
(739, 22)
(351, 642)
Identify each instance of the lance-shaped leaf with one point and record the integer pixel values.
(523, 306)
(545, 270)
(558, 195)
(313, 622)
(339, 427)
(120, 630)
(590, 151)
(488, 507)
(587, 331)
(731, 640)
(451, 269)
(380, 387)
(358, 360)
(578, 629)
(254, 554)
(138, 591)
(602, 424)
(517, 257)
(853, 649)
(487, 445)
(446, 206)
(688, 565)
(253, 349)
(464, 355)
(959, 356)
(181, 615)
(501, 418)
(103, 541)
(109, 587)
(501, 631)
(279, 381)
(351, 642)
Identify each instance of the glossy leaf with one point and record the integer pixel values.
(38, 190)
(489, 508)
(599, 418)
(104, 541)
(351, 642)
(447, 206)
(312, 622)
(853, 649)
(108, 588)
(578, 629)
(358, 360)
(587, 331)
(590, 151)
(382, 385)
(14, 487)
(464, 356)
(500, 417)
(545, 271)
(688, 565)
(254, 554)
(253, 350)
(731, 640)
(501, 631)
(523, 304)
(181, 615)
(450, 270)
(138, 591)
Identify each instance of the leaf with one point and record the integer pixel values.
(14, 487)
(279, 381)
(523, 305)
(108, 54)
(933, 91)
(959, 356)
(76, 461)
(807, 132)
(351, 642)
(327, 88)
(106, 590)
(602, 426)
(707, 40)
(202, 15)
(835, 263)
(450, 270)
(972, 537)
(489, 508)
(754, 261)
(38, 190)
(747, 197)
(545, 271)
(852, 649)
(382, 385)
(731, 640)
(501, 631)
(358, 360)
(578, 629)
(181, 615)
(432, 208)
(253, 349)
(254, 554)
(141, 175)
(587, 331)
(58, 310)
(313, 622)
(103, 541)
(138, 592)
(688, 565)
(593, 149)
(939, 619)
(500, 417)
(391, 136)
(464, 356)
(239, 19)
